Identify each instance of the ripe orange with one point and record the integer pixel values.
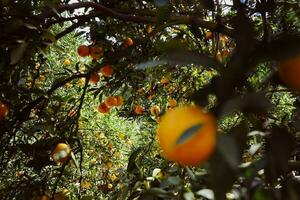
(107, 70)
(165, 80)
(120, 100)
(94, 78)
(67, 62)
(127, 42)
(139, 109)
(96, 52)
(3, 110)
(64, 194)
(103, 108)
(61, 153)
(289, 71)
(149, 29)
(187, 135)
(83, 50)
(45, 197)
(172, 103)
(111, 101)
(155, 110)
(208, 35)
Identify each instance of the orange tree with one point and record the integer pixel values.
(221, 56)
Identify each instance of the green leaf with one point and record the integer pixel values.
(190, 132)
(18, 53)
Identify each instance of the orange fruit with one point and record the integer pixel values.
(96, 52)
(67, 62)
(120, 100)
(208, 35)
(45, 197)
(107, 70)
(127, 42)
(155, 110)
(187, 135)
(139, 109)
(149, 29)
(165, 80)
(61, 153)
(94, 78)
(103, 108)
(111, 101)
(64, 194)
(289, 71)
(3, 110)
(83, 50)
(172, 103)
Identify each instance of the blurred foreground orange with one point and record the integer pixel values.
(187, 135)
(289, 73)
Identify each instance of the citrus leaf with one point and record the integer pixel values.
(190, 132)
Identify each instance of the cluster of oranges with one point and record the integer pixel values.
(106, 71)
(96, 52)
(111, 101)
(154, 109)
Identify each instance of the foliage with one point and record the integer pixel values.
(222, 56)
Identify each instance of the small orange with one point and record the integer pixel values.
(120, 100)
(45, 197)
(165, 80)
(107, 70)
(149, 29)
(127, 42)
(94, 78)
(96, 52)
(83, 50)
(61, 153)
(67, 61)
(111, 101)
(64, 194)
(208, 35)
(103, 108)
(139, 109)
(155, 110)
(3, 110)
(172, 103)
(187, 135)
(289, 72)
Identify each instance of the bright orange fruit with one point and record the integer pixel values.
(127, 42)
(111, 101)
(120, 100)
(139, 109)
(96, 52)
(187, 135)
(107, 70)
(83, 50)
(94, 78)
(103, 108)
